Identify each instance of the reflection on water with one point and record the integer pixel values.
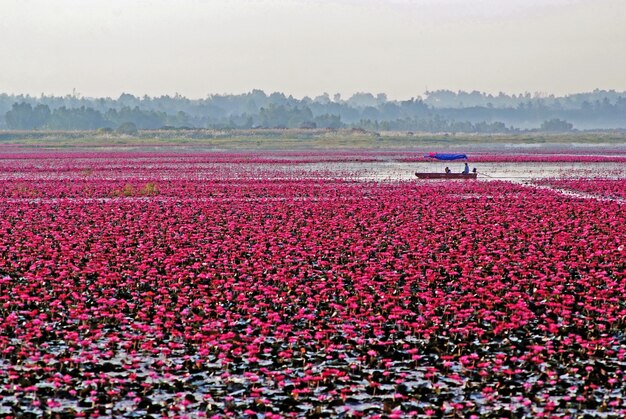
(517, 172)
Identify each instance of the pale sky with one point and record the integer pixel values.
(307, 47)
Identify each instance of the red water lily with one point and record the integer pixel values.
(183, 285)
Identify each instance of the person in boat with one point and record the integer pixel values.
(448, 170)
(474, 170)
(466, 170)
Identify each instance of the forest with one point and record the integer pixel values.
(433, 111)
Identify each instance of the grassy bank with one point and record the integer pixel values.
(302, 139)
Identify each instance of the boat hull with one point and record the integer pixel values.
(446, 176)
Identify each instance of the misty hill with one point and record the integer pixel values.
(436, 111)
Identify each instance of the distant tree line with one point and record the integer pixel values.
(436, 111)
(24, 116)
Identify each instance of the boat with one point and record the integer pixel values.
(446, 175)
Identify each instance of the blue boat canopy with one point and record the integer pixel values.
(445, 156)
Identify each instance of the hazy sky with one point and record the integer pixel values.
(306, 47)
